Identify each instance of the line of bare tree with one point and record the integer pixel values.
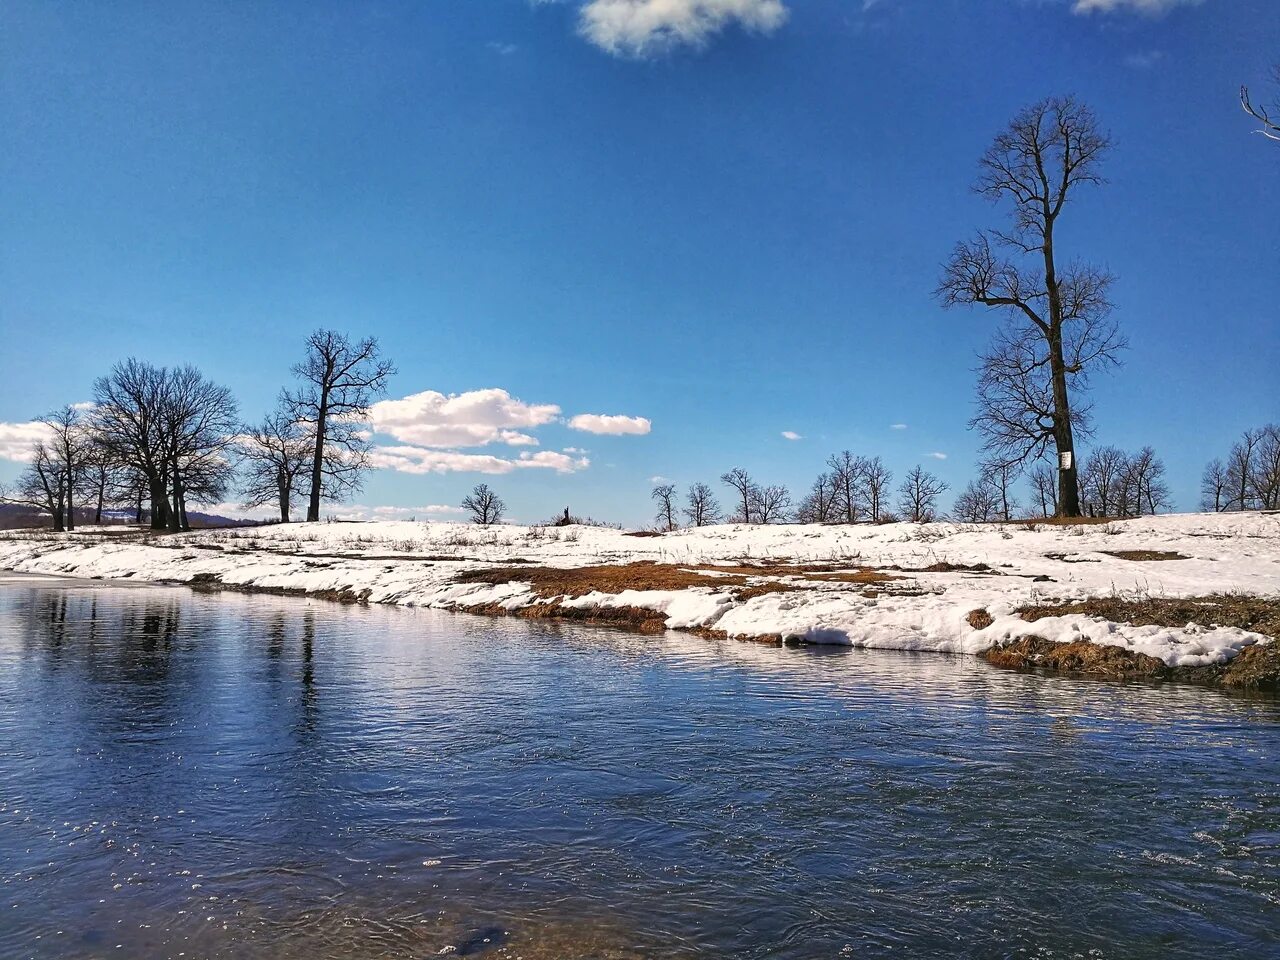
(155, 440)
(1249, 479)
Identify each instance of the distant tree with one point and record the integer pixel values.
(1102, 479)
(664, 494)
(770, 504)
(745, 488)
(918, 495)
(1000, 476)
(128, 420)
(485, 506)
(978, 502)
(339, 380)
(876, 478)
(1142, 485)
(1059, 323)
(701, 508)
(847, 473)
(198, 423)
(1044, 489)
(1267, 116)
(42, 485)
(1241, 470)
(1214, 487)
(819, 504)
(276, 455)
(69, 448)
(1265, 476)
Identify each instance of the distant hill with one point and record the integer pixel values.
(15, 517)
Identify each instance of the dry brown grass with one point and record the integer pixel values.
(1256, 614)
(980, 619)
(1146, 555)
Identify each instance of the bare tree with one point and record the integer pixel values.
(1000, 477)
(199, 419)
(1060, 324)
(1267, 116)
(485, 506)
(1143, 489)
(69, 447)
(276, 455)
(1102, 482)
(1214, 487)
(769, 504)
(846, 477)
(339, 381)
(127, 419)
(701, 508)
(42, 485)
(664, 494)
(1265, 481)
(1044, 489)
(918, 495)
(745, 487)
(876, 478)
(1241, 464)
(819, 504)
(978, 502)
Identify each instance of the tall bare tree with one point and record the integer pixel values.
(1268, 116)
(918, 495)
(745, 488)
(876, 478)
(846, 476)
(1102, 481)
(769, 504)
(701, 507)
(977, 503)
(69, 447)
(199, 419)
(275, 455)
(1059, 323)
(1044, 488)
(819, 504)
(42, 485)
(664, 495)
(1000, 476)
(339, 380)
(128, 419)
(484, 505)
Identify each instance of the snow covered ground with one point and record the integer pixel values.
(413, 563)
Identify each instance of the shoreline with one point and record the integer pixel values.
(1204, 607)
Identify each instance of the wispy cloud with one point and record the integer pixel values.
(502, 49)
(421, 460)
(647, 28)
(657, 479)
(1148, 7)
(937, 455)
(1144, 60)
(897, 426)
(791, 435)
(610, 424)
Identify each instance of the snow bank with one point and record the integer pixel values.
(946, 571)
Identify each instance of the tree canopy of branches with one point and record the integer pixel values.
(1250, 477)
(339, 380)
(770, 504)
(744, 487)
(1058, 323)
(1117, 484)
(701, 508)
(173, 428)
(664, 495)
(918, 495)
(1268, 116)
(819, 504)
(275, 455)
(485, 506)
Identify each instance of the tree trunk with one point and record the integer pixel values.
(159, 503)
(317, 460)
(1068, 483)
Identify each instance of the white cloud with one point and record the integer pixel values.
(655, 480)
(471, 419)
(936, 455)
(608, 424)
(791, 435)
(1149, 7)
(644, 28)
(419, 460)
(17, 439)
(897, 426)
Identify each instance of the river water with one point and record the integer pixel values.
(196, 775)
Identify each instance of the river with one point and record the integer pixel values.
(218, 775)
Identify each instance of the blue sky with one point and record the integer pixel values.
(731, 230)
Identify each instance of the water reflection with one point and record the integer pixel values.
(259, 777)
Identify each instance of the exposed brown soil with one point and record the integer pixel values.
(1141, 555)
(1256, 614)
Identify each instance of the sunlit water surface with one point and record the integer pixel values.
(228, 776)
